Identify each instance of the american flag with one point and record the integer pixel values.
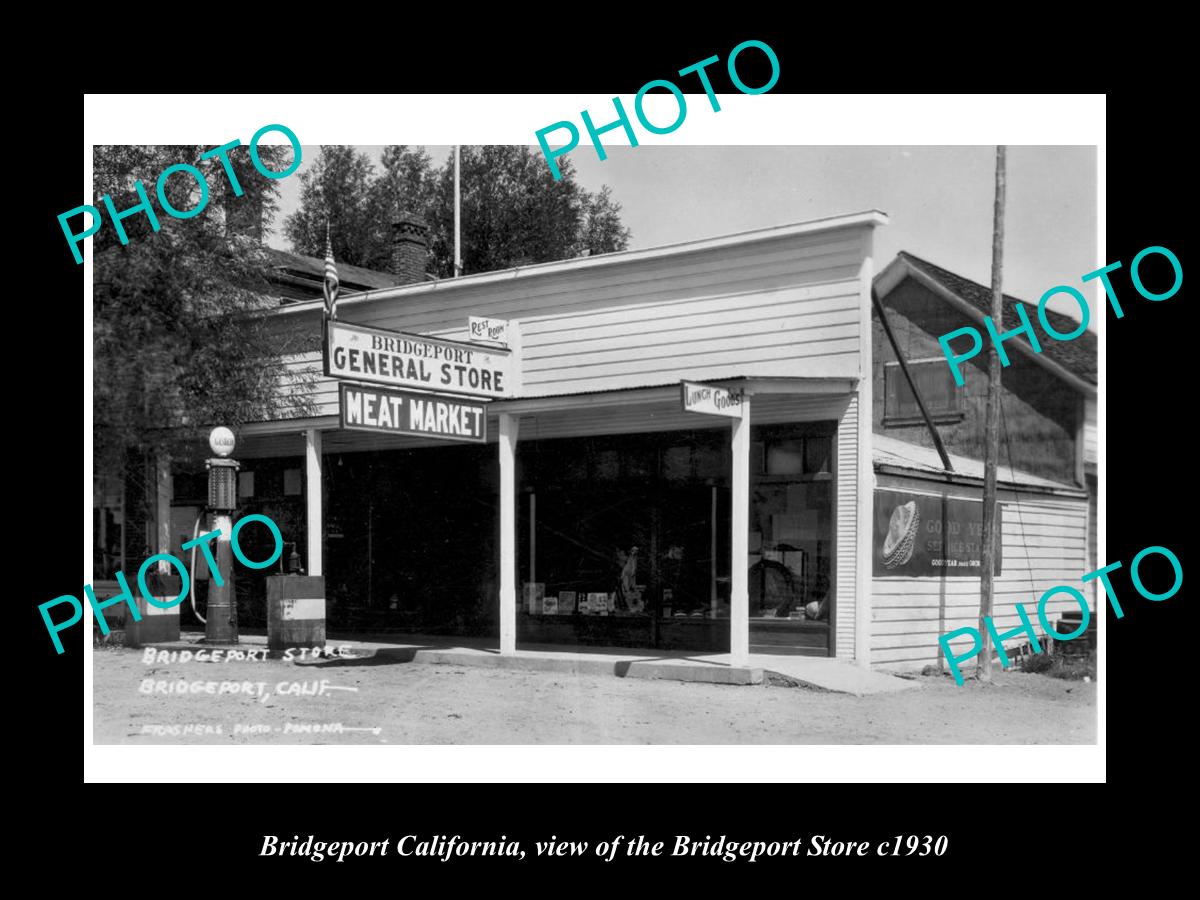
(331, 279)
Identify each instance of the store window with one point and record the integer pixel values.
(623, 540)
(943, 398)
(791, 524)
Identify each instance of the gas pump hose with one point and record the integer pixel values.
(192, 572)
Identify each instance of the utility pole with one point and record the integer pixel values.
(991, 444)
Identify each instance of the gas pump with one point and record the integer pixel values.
(221, 627)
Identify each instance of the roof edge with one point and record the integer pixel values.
(867, 218)
(900, 268)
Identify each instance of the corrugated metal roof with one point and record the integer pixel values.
(894, 452)
(310, 266)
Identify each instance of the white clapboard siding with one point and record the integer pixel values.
(676, 279)
(845, 538)
(783, 306)
(1044, 545)
(321, 390)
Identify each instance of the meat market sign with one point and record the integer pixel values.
(404, 412)
(399, 359)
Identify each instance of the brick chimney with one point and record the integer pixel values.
(409, 251)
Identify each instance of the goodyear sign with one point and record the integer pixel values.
(924, 534)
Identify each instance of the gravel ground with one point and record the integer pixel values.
(416, 703)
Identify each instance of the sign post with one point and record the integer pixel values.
(710, 400)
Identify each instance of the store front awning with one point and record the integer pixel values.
(655, 407)
(670, 392)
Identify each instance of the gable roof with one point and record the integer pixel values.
(311, 268)
(1078, 356)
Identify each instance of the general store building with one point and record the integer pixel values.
(594, 482)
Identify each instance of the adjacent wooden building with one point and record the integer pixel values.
(1047, 462)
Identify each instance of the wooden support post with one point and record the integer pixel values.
(162, 496)
(739, 555)
(864, 524)
(713, 555)
(509, 426)
(314, 525)
(532, 537)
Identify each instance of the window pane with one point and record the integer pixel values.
(606, 465)
(785, 457)
(677, 463)
(817, 451)
(935, 382)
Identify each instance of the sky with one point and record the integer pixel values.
(939, 200)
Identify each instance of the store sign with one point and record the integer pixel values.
(926, 534)
(403, 412)
(398, 359)
(712, 400)
(492, 330)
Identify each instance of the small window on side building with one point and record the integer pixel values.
(943, 398)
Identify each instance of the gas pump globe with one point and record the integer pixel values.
(221, 627)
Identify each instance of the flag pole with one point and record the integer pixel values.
(457, 204)
(330, 285)
(991, 445)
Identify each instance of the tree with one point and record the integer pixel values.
(405, 186)
(177, 346)
(340, 190)
(513, 211)
(603, 231)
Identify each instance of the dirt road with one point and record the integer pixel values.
(369, 702)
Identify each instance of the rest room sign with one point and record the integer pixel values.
(929, 534)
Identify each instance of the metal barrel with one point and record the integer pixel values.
(157, 625)
(295, 612)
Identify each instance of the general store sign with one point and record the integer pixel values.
(404, 412)
(712, 400)
(399, 359)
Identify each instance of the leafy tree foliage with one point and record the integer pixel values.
(513, 211)
(177, 346)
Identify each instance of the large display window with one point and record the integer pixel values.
(624, 540)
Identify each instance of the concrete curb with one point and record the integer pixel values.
(649, 669)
